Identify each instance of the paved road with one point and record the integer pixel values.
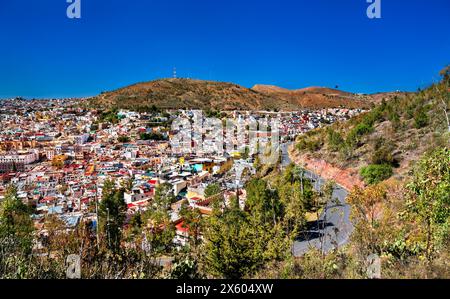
(333, 229)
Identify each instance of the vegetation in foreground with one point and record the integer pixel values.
(407, 225)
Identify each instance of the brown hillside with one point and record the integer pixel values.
(198, 94)
(193, 94)
(316, 97)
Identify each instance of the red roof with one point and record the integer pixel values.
(137, 204)
(181, 227)
(48, 198)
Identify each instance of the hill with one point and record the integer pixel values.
(199, 94)
(383, 142)
(316, 97)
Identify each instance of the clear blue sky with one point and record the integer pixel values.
(290, 43)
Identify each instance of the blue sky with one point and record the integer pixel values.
(290, 43)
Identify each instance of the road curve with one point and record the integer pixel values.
(333, 229)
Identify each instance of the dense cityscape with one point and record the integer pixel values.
(59, 156)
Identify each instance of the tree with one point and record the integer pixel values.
(16, 234)
(231, 249)
(123, 139)
(441, 91)
(335, 140)
(429, 199)
(112, 213)
(193, 221)
(246, 154)
(164, 197)
(127, 184)
(152, 136)
(373, 174)
(160, 230)
(420, 119)
(382, 152)
(15, 220)
(296, 195)
(109, 116)
(212, 189)
(445, 74)
(263, 203)
(373, 221)
(295, 207)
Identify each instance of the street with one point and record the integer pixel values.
(333, 229)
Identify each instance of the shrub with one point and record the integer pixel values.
(373, 174)
(335, 140)
(152, 136)
(354, 136)
(123, 139)
(363, 129)
(309, 144)
(382, 153)
(382, 156)
(109, 116)
(420, 119)
(375, 115)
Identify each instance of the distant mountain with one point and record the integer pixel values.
(316, 97)
(199, 94)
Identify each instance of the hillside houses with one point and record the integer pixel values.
(59, 156)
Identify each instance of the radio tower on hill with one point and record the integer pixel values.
(174, 72)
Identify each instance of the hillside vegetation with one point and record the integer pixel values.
(198, 94)
(388, 139)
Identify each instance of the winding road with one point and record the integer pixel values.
(333, 229)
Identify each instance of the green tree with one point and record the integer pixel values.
(420, 119)
(123, 139)
(152, 136)
(112, 213)
(193, 221)
(231, 248)
(335, 140)
(297, 197)
(16, 235)
(374, 174)
(262, 202)
(429, 200)
(212, 189)
(160, 229)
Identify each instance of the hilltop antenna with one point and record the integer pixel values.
(174, 72)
